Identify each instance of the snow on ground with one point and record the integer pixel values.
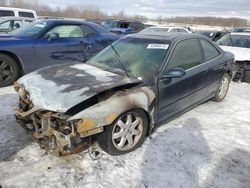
(208, 146)
(193, 26)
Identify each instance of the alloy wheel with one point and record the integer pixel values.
(223, 87)
(127, 131)
(6, 71)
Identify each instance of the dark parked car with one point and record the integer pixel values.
(8, 24)
(49, 42)
(123, 27)
(121, 94)
(213, 35)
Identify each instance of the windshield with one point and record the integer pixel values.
(140, 57)
(30, 30)
(109, 24)
(235, 40)
(154, 29)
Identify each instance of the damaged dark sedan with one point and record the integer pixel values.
(120, 95)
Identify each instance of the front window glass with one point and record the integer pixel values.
(66, 31)
(187, 54)
(140, 57)
(210, 51)
(235, 40)
(30, 29)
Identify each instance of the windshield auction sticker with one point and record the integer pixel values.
(158, 46)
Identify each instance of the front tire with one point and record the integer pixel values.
(9, 70)
(126, 133)
(221, 92)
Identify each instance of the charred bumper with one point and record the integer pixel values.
(51, 130)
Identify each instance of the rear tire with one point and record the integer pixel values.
(9, 70)
(126, 133)
(221, 92)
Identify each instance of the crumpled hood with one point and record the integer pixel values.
(241, 54)
(58, 88)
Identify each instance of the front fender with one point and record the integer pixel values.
(105, 112)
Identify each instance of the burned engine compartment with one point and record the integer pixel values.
(51, 130)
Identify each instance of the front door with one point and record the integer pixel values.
(67, 46)
(177, 94)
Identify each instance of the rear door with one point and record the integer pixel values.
(67, 47)
(177, 94)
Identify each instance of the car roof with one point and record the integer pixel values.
(75, 21)
(211, 31)
(168, 36)
(167, 27)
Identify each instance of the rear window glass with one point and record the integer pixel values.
(242, 41)
(6, 13)
(210, 51)
(88, 30)
(26, 14)
(187, 54)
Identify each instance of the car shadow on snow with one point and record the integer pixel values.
(232, 170)
(175, 155)
(12, 137)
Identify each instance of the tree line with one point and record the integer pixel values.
(95, 13)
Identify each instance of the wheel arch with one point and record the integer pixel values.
(106, 112)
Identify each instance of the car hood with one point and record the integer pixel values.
(58, 88)
(241, 54)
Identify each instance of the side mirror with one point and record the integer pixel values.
(174, 73)
(53, 36)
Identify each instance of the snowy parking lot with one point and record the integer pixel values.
(208, 146)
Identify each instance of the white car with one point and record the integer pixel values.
(239, 45)
(11, 23)
(163, 29)
(17, 12)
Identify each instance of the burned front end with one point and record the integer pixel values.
(52, 130)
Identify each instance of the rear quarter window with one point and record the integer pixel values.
(6, 13)
(88, 30)
(26, 14)
(187, 54)
(210, 52)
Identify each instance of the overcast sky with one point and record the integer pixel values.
(154, 8)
